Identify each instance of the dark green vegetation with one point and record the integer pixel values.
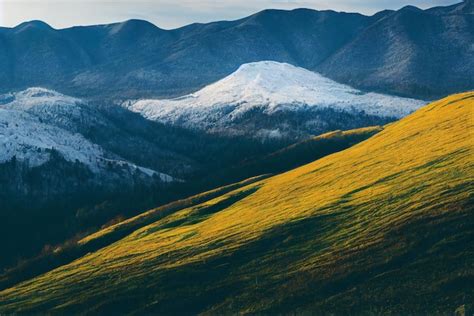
(400, 52)
(384, 227)
(68, 216)
(297, 154)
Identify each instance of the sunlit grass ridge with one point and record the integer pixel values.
(382, 226)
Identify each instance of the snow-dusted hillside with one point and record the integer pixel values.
(52, 108)
(37, 98)
(270, 88)
(32, 126)
(23, 136)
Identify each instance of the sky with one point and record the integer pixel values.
(170, 14)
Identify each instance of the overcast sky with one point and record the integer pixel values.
(174, 13)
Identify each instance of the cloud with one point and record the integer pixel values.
(174, 13)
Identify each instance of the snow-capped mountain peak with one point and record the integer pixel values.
(269, 87)
(272, 84)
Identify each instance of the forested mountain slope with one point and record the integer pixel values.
(412, 52)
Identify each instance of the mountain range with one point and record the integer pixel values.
(289, 162)
(383, 227)
(423, 54)
(84, 163)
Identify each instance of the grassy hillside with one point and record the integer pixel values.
(249, 170)
(386, 226)
(244, 173)
(77, 247)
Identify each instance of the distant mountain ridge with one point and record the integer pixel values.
(409, 52)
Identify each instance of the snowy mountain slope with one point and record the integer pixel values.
(27, 139)
(35, 97)
(23, 136)
(114, 129)
(33, 124)
(269, 88)
(53, 108)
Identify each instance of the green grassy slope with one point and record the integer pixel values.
(282, 160)
(386, 226)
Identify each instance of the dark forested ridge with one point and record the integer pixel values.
(430, 52)
(54, 201)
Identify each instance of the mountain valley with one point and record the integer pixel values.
(290, 162)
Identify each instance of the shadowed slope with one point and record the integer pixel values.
(384, 226)
(427, 53)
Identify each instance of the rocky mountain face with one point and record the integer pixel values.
(410, 52)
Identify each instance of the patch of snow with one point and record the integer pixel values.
(50, 106)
